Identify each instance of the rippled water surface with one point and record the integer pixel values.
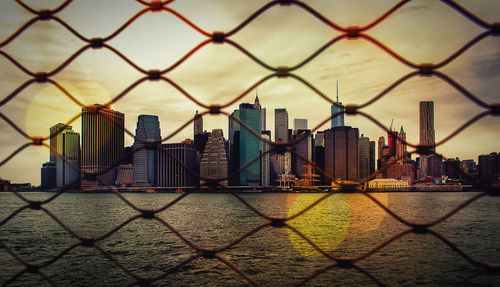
(342, 225)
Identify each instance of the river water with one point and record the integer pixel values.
(343, 225)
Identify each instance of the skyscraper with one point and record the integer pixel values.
(171, 173)
(401, 147)
(102, 143)
(341, 153)
(68, 146)
(364, 156)
(280, 125)
(299, 124)
(265, 161)
(303, 147)
(214, 162)
(54, 131)
(372, 157)
(198, 124)
(257, 106)
(427, 136)
(145, 160)
(338, 120)
(245, 146)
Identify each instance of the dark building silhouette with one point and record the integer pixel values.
(197, 124)
(435, 166)
(364, 156)
(303, 147)
(341, 153)
(489, 168)
(452, 168)
(372, 157)
(427, 137)
(171, 172)
(48, 175)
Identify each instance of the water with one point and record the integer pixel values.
(343, 225)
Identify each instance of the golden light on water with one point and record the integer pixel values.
(339, 217)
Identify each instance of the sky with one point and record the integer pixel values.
(425, 31)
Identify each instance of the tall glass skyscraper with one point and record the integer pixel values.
(102, 143)
(68, 145)
(145, 160)
(245, 146)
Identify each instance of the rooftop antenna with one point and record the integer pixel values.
(337, 91)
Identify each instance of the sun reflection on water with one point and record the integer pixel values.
(339, 217)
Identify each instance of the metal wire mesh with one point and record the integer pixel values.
(352, 32)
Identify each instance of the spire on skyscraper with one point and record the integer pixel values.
(337, 91)
(256, 104)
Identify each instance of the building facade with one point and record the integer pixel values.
(48, 175)
(299, 124)
(68, 169)
(145, 159)
(214, 161)
(173, 158)
(280, 125)
(341, 153)
(364, 156)
(265, 161)
(102, 144)
(427, 135)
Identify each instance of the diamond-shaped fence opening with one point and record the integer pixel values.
(225, 254)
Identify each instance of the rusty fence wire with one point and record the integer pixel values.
(219, 37)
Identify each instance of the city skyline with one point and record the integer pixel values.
(357, 67)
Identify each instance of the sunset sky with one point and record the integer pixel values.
(424, 31)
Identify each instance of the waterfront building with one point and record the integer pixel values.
(435, 166)
(102, 144)
(304, 147)
(125, 175)
(427, 135)
(48, 175)
(177, 165)
(364, 156)
(145, 165)
(388, 184)
(401, 171)
(341, 153)
(68, 147)
(468, 166)
(451, 168)
(245, 146)
(489, 167)
(214, 163)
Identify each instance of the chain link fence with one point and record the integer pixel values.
(214, 38)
